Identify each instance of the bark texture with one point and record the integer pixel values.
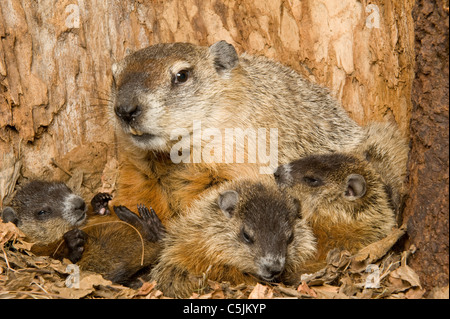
(427, 207)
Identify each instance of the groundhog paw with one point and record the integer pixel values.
(100, 203)
(152, 222)
(148, 223)
(75, 240)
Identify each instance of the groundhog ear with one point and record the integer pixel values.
(224, 55)
(9, 215)
(227, 202)
(355, 187)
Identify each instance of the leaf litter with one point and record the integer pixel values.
(375, 272)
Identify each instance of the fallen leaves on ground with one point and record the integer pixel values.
(377, 271)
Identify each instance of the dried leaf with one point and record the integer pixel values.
(217, 292)
(75, 181)
(9, 231)
(290, 291)
(329, 292)
(156, 294)
(415, 293)
(21, 244)
(304, 289)
(407, 274)
(377, 250)
(261, 292)
(348, 287)
(146, 288)
(72, 293)
(91, 280)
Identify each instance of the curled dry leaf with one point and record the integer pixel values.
(408, 275)
(9, 231)
(376, 250)
(261, 292)
(305, 290)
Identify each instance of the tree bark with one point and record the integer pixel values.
(426, 210)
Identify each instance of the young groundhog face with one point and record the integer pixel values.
(44, 211)
(265, 221)
(335, 186)
(165, 86)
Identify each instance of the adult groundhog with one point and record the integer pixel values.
(55, 220)
(169, 99)
(242, 231)
(343, 199)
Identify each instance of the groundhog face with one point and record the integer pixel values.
(265, 227)
(44, 211)
(331, 183)
(158, 91)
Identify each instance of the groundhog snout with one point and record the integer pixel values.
(128, 112)
(270, 268)
(79, 205)
(283, 175)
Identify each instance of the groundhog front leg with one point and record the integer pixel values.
(148, 222)
(75, 241)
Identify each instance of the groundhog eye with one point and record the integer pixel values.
(247, 238)
(43, 213)
(311, 181)
(182, 76)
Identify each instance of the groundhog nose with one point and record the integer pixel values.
(274, 271)
(281, 176)
(277, 173)
(271, 270)
(79, 204)
(128, 112)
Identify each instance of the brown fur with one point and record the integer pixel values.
(223, 90)
(115, 251)
(205, 241)
(343, 214)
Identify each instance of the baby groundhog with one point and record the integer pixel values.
(55, 219)
(343, 199)
(241, 232)
(116, 251)
(172, 91)
(44, 212)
